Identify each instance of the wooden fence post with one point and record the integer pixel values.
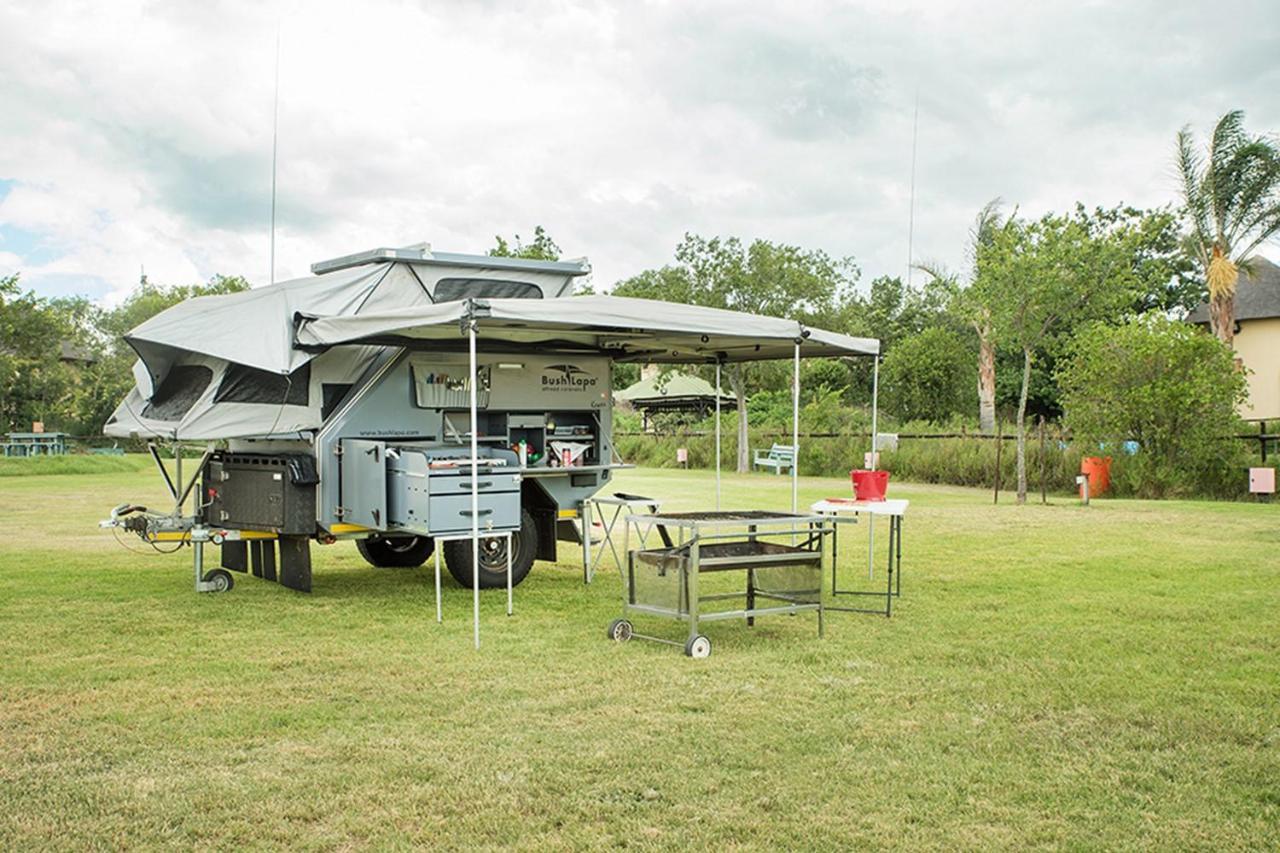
(1044, 495)
(995, 499)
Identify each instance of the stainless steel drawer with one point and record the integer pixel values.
(452, 513)
(454, 485)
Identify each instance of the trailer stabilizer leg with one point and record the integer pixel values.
(218, 580)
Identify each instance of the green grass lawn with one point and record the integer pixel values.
(1052, 676)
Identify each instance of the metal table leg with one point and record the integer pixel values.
(587, 512)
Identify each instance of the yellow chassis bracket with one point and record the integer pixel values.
(216, 534)
(340, 529)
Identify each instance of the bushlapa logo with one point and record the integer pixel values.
(566, 377)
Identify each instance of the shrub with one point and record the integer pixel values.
(1168, 386)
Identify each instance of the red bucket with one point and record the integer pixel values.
(869, 485)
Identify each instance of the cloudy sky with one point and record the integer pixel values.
(138, 134)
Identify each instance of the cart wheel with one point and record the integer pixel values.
(220, 579)
(699, 647)
(619, 630)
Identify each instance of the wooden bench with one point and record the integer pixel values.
(780, 457)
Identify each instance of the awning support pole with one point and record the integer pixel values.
(717, 435)
(795, 432)
(475, 485)
(875, 463)
(875, 394)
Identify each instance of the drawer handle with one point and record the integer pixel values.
(467, 512)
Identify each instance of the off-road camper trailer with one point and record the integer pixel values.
(356, 404)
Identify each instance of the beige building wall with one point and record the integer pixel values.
(1258, 346)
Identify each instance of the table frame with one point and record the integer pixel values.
(467, 536)
(593, 508)
(893, 578)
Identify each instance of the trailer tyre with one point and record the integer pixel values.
(396, 552)
(493, 556)
(619, 630)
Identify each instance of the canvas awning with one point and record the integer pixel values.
(625, 329)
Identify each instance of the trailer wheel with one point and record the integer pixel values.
(396, 552)
(619, 630)
(699, 647)
(493, 556)
(220, 580)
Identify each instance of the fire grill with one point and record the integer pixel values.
(779, 554)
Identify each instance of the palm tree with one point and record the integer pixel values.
(979, 316)
(1232, 194)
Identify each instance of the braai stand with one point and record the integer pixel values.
(781, 554)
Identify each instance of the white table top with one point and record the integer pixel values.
(836, 506)
(613, 500)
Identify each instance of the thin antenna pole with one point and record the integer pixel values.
(275, 138)
(911, 217)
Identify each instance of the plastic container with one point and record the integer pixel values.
(869, 485)
(1098, 470)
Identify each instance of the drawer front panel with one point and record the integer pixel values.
(452, 513)
(450, 485)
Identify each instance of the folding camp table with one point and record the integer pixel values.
(593, 508)
(845, 511)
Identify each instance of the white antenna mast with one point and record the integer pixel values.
(911, 216)
(275, 137)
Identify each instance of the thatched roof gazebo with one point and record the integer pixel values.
(674, 392)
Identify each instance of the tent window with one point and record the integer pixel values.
(243, 384)
(178, 392)
(457, 289)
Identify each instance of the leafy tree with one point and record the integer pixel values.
(1043, 396)
(1232, 196)
(34, 382)
(828, 373)
(889, 312)
(1041, 278)
(928, 376)
(1167, 385)
(760, 278)
(1167, 279)
(542, 248)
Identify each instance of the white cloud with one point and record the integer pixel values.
(140, 133)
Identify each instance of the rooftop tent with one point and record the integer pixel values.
(254, 327)
(640, 330)
(204, 397)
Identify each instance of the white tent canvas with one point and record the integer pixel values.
(260, 363)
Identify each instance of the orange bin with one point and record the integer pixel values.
(1098, 470)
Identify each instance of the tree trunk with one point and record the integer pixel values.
(1022, 427)
(1222, 316)
(986, 381)
(738, 382)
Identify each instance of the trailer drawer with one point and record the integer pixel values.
(452, 513)
(486, 483)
